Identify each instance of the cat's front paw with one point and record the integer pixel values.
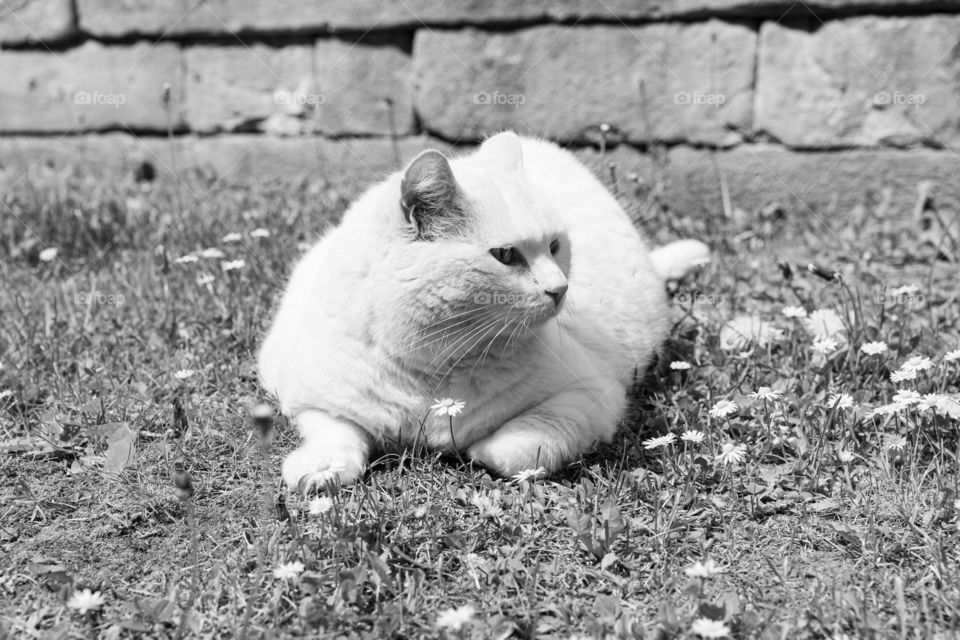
(307, 469)
(510, 453)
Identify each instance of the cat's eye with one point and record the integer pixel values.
(507, 255)
(554, 247)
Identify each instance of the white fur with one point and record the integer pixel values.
(367, 333)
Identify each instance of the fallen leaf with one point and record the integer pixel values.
(121, 445)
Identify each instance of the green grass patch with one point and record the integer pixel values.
(821, 503)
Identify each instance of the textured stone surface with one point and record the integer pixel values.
(338, 88)
(235, 87)
(90, 87)
(30, 21)
(356, 81)
(668, 82)
(862, 81)
(117, 18)
(825, 184)
(349, 165)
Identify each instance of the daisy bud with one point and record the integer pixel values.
(283, 514)
(183, 482)
(786, 270)
(823, 273)
(263, 419)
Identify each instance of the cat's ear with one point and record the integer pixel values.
(429, 195)
(506, 149)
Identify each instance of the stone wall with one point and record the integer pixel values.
(814, 105)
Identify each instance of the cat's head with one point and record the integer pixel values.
(487, 258)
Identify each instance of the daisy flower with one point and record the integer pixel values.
(288, 570)
(707, 628)
(706, 569)
(680, 365)
(187, 259)
(739, 333)
(732, 454)
(487, 505)
(894, 443)
(530, 474)
(840, 400)
(906, 397)
(905, 290)
(874, 348)
(825, 323)
(916, 363)
(85, 601)
(845, 457)
(928, 401)
(903, 375)
(824, 345)
(49, 254)
(766, 393)
(693, 436)
(723, 409)
(947, 405)
(260, 233)
(233, 265)
(794, 312)
(212, 253)
(183, 374)
(447, 407)
(232, 237)
(204, 279)
(455, 618)
(886, 410)
(662, 441)
(951, 356)
(320, 505)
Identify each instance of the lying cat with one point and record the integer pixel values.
(508, 279)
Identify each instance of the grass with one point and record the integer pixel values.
(132, 466)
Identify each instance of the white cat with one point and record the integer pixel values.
(508, 279)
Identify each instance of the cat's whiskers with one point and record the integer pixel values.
(454, 336)
(418, 341)
(486, 350)
(440, 326)
(453, 367)
(457, 340)
(479, 331)
(517, 332)
(451, 350)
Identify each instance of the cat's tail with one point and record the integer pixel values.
(676, 260)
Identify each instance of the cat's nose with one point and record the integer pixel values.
(557, 293)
